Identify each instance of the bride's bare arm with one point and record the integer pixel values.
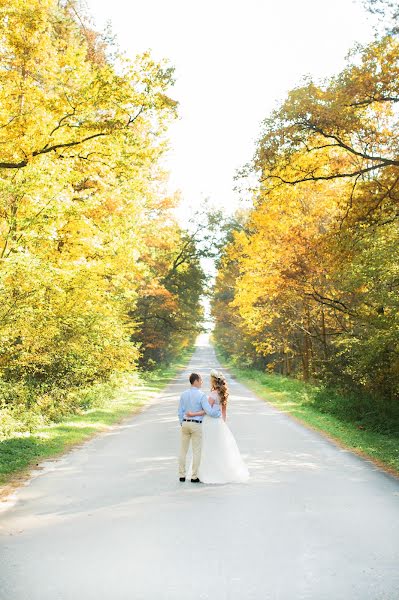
(224, 412)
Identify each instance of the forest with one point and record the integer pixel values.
(307, 284)
(98, 278)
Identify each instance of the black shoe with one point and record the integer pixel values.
(182, 479)
(195, 480)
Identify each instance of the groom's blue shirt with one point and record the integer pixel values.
(194, 400)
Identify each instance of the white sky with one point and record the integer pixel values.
(234, 60)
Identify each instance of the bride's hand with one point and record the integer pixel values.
(189, 414)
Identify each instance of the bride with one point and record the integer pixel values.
(221, 460)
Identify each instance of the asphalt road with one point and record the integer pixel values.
(111, 521)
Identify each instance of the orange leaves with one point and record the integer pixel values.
(309, 285)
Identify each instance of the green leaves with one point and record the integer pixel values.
(86, 227)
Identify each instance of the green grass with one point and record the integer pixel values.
(300, 399)
(19, 453)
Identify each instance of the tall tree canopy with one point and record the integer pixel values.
(311, 278)
(87, 232)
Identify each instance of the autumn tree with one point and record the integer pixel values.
(315, 267)
(82, 196)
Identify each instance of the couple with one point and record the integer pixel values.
(216, 457)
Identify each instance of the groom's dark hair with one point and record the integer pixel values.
(194, 377)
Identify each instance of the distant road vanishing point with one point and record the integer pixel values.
(110, 520)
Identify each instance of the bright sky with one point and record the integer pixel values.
(234, 60)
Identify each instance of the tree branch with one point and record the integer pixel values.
(46, 149)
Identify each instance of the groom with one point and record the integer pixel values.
(193, 400)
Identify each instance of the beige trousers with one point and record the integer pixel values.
(190, 431)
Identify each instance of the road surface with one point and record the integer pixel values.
(111, 521)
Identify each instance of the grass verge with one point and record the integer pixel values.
(296, 398)
(21, 453)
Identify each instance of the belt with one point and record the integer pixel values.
(192, 420)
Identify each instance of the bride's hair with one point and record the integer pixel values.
(219, 384)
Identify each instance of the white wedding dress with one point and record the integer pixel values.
(221, 460)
